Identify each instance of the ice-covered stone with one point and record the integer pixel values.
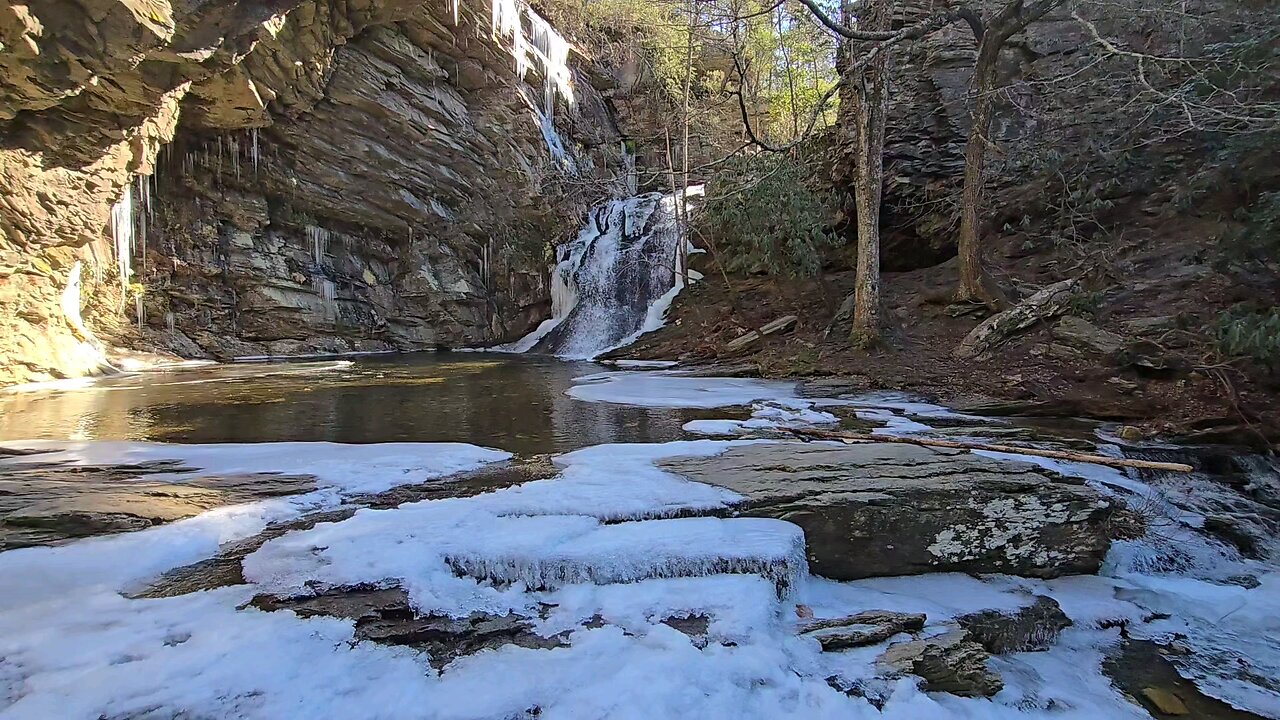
(893, 509)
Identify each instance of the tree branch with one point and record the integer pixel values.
(919, 29)
(746, 115)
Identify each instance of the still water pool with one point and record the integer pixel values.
(517, 403)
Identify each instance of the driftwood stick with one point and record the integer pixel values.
(850, 438)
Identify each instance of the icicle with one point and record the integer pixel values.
(547, 47)
(139, 311)
(233, 147)
(71, 305)
(141, 241)
(255, 149)
(320, 238)
(122, 234)
(170, 321)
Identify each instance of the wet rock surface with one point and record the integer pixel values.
(950, 662)
(1034, 627)
(46, 502)
(386, 616)
(892, 509)
(1140, 670)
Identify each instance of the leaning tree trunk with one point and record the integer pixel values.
(975, 285)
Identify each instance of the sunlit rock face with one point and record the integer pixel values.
(372, 175)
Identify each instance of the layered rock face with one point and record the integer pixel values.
(1067, 119)
(335, 176)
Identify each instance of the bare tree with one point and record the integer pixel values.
(975, 284)
(864, 105)
(867, 37)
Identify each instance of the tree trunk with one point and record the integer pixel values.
(868, 181)
(1013, 18)
(868, 97)
(975, 285)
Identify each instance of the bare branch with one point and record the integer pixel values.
(916, 30)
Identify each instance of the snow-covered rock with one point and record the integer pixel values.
(893, 509)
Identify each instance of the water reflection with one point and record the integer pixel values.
(517, 403)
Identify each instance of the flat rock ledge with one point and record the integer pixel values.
(891, 509)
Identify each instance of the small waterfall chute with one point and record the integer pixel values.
(630, 180)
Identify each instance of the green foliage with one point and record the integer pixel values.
(1086, 304)
(763, 216)
(1256, 245)
(659, 29)
(1250, 333)
(792, 66)
(789, 60)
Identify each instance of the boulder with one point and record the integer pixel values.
(1151, 325)
(950, 662)
(1053, 300)
(864, 628)
(1083, 334)
(1032, 628)
(894, 509)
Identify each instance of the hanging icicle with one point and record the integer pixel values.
(320, 239)
(122, 234)
(543, 46)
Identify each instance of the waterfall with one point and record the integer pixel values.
(555, 144)
(614, 281)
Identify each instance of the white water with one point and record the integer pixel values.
(613, 281)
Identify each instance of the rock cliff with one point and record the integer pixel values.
(304, 176)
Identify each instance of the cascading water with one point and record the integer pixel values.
(614, 281)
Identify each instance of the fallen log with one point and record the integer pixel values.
(1051, 301)
(851, 438)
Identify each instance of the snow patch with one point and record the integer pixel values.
(674, 390)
